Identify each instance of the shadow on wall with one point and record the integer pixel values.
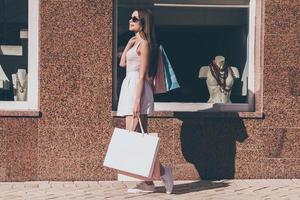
(210, 144)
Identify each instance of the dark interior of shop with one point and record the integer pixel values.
(192, 37)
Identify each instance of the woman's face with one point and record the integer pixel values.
(135, 24)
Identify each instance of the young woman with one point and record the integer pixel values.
(136, 96)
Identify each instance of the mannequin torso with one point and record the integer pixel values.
(4, 81)
(216, 92)
(20, 85)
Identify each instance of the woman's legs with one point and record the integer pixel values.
(134, 126)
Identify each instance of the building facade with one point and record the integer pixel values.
(66, 137)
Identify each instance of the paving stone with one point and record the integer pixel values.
(296, 181)
(56, 184)
(192, 190)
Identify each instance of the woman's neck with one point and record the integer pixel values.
(138, 36)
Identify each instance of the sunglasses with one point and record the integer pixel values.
(134, 19)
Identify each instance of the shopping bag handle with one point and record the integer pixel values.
(140, 123)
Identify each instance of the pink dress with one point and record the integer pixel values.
(129, 87)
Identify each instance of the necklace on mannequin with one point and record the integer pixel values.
(220, 75)
(22, 87)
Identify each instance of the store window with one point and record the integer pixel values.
(18, 55)
(194, 33)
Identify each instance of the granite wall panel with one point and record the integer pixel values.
(69, 140)
(3, 153)
(19, 151)
(61, 16)
(281, 16)
(294, 79)
(165, 129)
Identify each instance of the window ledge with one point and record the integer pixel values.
(199, 114)
(203, 110)
(20, 113)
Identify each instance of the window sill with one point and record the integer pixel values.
(200, 110)
(172, 114)
(20, 113)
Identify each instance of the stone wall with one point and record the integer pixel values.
(69, 140)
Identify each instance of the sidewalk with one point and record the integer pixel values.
(272, 189)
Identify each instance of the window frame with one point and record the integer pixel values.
(32, 103)
(254, 53)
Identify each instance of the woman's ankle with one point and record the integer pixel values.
(162, 170)
(149, 182)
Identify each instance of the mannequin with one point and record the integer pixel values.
(219, 80)
(4, 81)
(20, 85)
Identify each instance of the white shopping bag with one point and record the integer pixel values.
(125, 176)
(132, 152)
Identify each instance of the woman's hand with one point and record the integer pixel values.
(136, 109)
(130, 43)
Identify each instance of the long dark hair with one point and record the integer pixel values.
(148, 33)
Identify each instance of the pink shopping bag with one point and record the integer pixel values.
(126, 176)
(159, 84)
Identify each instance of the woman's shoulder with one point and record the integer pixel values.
(132, 38)
(144, 43)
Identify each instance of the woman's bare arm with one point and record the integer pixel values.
(123, 58)
(145, 59)
(128, 46)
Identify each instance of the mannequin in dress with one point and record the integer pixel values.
(219, 80)
(20, 85)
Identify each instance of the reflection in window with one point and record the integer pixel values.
(13, 50)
